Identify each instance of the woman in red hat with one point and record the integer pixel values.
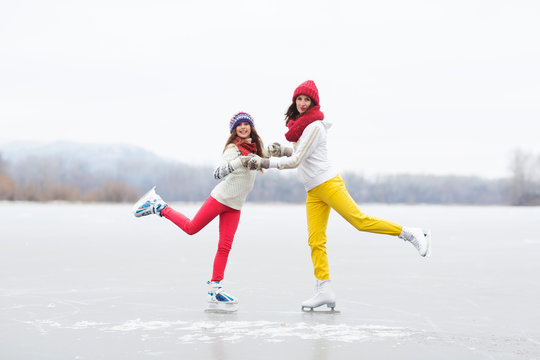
(307, 130)
(225, 200)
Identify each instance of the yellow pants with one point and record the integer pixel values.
(333, 194)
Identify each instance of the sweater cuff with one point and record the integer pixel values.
(273, 162)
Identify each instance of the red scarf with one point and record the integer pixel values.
(245, 146)
(296, 127)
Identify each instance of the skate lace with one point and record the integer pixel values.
(409, 236)
(413, 240)
(221, 296)
(218, 290)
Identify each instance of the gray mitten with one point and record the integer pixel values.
(278, 150)
(257, 163)
(286, 151)
(274, 149)
(245, 159)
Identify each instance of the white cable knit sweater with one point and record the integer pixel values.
(238, 180)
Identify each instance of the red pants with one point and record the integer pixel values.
(228, 223)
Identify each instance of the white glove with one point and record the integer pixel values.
(257, 163)
(278, 150)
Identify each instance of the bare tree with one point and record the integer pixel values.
(525, 181)
(113, 191)
(7, 184)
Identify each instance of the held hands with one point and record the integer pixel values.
(278, 150)
(257, 163)
(245, 159)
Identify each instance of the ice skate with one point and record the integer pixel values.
(324, 295)
(149, 203)
(220, 301)
(419, 238)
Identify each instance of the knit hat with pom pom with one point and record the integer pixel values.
(239, 118)
(307, 88)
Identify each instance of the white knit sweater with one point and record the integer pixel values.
(238, 180)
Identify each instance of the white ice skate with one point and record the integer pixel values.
(419, 238)
(324, 295)
(219, 300)
(149, 203)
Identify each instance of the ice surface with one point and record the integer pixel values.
(93, 282)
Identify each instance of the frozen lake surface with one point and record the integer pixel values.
(92, 282)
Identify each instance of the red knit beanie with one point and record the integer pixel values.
(307, 88)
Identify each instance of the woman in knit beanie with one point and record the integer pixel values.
(225, 200)
(307, 130)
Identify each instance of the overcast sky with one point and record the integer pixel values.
(440, 87)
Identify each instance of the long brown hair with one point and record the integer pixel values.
(255, 138)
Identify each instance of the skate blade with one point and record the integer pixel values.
(320, 310)
(221, 308)
(428, 240)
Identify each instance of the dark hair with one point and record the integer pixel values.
(292, 112)
(254, 138)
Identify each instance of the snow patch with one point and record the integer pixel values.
(236, 331)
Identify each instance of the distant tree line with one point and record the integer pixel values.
(42, 178)
(48, 179)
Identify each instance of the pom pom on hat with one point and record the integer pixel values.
(239, 118)
(307, 88)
